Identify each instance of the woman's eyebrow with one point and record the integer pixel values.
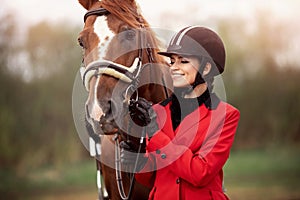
(185, 58)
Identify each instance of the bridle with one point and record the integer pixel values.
(112, 69)
(97, 12)
(121, 72)
(129, 75)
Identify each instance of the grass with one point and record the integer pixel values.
(66, 179)
(249, 175)
(74, 174)
(263, 175)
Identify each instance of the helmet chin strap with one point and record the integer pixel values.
(198, 80)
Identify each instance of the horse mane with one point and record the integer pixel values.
(129, 12)
(125, 11)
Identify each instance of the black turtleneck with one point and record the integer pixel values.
(181, 107)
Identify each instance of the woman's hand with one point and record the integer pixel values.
(142, 113)
(130, 156)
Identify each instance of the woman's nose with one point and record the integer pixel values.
(174, 66)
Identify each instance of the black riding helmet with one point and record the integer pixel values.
(202, 43)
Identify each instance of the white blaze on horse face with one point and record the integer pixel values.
(104, 34)
(96, 112)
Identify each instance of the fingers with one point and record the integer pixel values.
(139, 111)
(144, 103)
(141, 117)
(141, 104)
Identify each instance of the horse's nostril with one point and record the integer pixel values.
(103, 120)
(109, 110)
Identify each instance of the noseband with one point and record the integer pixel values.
(126, 74)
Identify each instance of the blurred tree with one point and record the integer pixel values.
(7, 117)
(7, 33)
(265, 92)
(46, 46)
(36, 121)
(54, 58)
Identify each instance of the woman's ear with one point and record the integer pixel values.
(206, 69)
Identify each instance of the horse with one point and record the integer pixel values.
(119, 57)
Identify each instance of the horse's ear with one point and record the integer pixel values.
(87, 4)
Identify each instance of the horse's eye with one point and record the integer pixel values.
(130, 35)
(80, 42)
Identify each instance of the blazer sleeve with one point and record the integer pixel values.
(199, 167)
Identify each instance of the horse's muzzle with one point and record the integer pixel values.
(104, 126)
(108, 126)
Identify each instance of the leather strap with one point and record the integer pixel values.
(98, 12)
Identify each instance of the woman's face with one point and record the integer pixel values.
(183, 70)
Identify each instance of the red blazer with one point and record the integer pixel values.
(187, 163)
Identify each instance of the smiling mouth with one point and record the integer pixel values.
(177, 75)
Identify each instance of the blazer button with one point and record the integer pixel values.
(163, 156)
(157, 151)
(177, 180)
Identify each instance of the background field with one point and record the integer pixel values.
(248, 175)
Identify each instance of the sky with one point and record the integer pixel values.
(33, 11)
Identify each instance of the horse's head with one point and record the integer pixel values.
(117, 45)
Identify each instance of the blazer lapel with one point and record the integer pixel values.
(187, 128)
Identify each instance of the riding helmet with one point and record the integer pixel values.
(200, 42)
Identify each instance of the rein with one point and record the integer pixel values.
(127, 74)
(119, 167)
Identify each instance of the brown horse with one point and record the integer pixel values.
(120, 52)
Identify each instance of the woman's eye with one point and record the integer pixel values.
(172, 62)
(184, 61)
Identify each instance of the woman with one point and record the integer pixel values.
(190, 133)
